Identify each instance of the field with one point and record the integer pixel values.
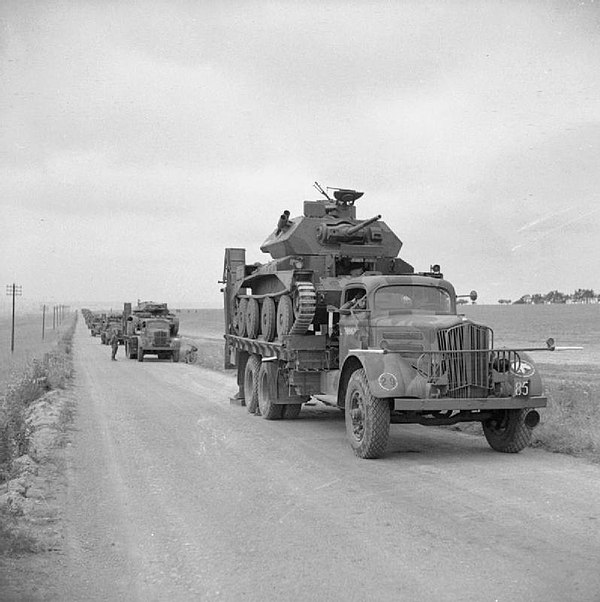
(28, 342)
(570, 424)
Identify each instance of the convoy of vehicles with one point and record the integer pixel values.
(338, 315)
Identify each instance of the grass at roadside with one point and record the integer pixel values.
(25, 392)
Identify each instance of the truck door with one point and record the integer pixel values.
(354, 321)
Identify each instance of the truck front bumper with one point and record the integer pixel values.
(476, 403)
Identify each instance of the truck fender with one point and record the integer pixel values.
(388, 374)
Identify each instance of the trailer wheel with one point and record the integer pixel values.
(291, 411)
(285, 316)
(267, 392)
(367, 418)
(507, 432)
(251, 382)
(252, 318)
(268, 319)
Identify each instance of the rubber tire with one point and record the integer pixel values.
(268, 319)
(140, 355)
(372, 441)
(252, 319)
(513, 436)
(175, 356)
(240, 322)
(267, 392)
(251, 382)
(291, 411)
(285, 316)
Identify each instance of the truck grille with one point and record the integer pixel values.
(161, 338)
(465, 359)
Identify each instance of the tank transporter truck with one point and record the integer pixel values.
(337, 315)
(150, 329)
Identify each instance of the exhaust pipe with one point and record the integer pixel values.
(532, 419)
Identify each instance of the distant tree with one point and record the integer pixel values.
(461, 301)
(504, 301)
(555, 297)
(537, 299)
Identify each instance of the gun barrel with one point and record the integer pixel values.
(362, 225)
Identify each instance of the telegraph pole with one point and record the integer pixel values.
(13, 290)
(43, 322)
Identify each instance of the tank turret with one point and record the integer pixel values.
(311, 255)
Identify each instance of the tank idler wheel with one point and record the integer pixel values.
(252, 318)
(267, 391)
(507, 432)
(285, 316)
(367, 418)
(240, 321)
(268, 319)
(251, 382)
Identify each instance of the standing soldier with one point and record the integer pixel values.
(114, 343)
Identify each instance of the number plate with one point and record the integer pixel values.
(522, 388)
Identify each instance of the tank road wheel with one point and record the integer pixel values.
(252, 318)
(240, 317)
(268, 319)
(267, 391)
(251, 382)
(285, 316)
(507, 432)
(367, 418)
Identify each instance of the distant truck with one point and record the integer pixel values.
(337, 315)
(150, 329)
(96, 324)
(111, 323)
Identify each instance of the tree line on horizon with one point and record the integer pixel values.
(581, 295)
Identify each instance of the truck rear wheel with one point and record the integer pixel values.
(507, 432)
(367, 418)
(267, 392)
(251, 382)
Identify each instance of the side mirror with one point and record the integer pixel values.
(473, 295)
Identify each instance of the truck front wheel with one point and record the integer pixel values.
(507, 432)
(140, 354)
(367, 418)
(175, 356)
(267, 392)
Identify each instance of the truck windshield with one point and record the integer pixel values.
(410, 298)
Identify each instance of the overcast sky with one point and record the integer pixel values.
(139, 139)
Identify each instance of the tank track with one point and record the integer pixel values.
(305, 304)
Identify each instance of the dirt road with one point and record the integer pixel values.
(174, 494)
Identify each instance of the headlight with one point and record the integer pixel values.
(522, 368)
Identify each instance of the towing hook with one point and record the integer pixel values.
(532, 419)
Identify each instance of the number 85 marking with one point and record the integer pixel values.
(522, 388)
